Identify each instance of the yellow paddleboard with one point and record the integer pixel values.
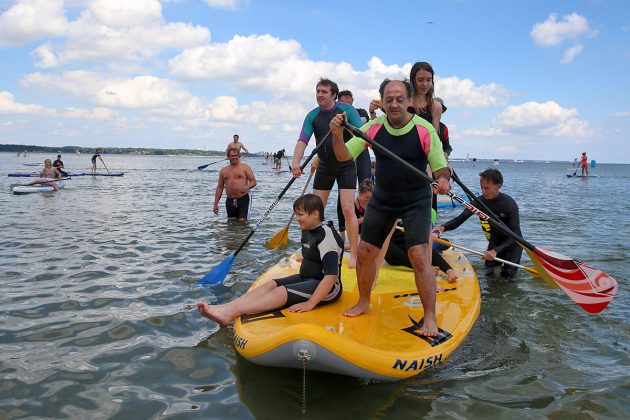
(383, 344)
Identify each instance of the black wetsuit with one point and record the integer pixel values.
(59, 165)
(507, 211)
(442, 133)
(322, 249)
(397, 253)
(329, 169)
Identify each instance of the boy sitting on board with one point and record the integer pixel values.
(317, 283)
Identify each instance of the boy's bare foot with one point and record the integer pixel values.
(214, 313)
(451, 275)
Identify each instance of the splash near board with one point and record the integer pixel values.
(382, 345)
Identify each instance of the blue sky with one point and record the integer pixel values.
(522, 80)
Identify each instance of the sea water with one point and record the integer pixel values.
(98, 293)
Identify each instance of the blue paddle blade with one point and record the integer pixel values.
(200, 167)
(218, 273)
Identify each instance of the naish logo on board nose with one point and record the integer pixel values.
(417, 364)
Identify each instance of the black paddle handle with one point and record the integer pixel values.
(494, 222)
(308, 159)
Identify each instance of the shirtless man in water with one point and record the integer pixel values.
(236, 144)
(237, 178)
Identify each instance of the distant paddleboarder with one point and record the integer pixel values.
(584, 163)
(236, 144)
(47, 174)
(58, 163)
(97, 154)
(278, 158)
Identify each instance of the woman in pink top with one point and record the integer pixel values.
(48, 173)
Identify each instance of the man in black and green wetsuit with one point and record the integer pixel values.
(399, 194)
(329, 170)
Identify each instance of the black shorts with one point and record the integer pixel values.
(378, 222)
(345, 173)
(300, 289)
(237, 207)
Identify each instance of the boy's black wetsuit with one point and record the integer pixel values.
(322, 249)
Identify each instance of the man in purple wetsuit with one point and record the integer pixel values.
(329, 170)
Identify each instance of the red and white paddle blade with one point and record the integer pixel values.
(589, 287)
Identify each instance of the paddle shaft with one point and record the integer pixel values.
(472, 251)
(47, 181)
(308, 181)
(494, 222)
(308, 159)
(99, 156)
(200, 167)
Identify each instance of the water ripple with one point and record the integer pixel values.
(99, 320)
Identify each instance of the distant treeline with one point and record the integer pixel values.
(15, 148)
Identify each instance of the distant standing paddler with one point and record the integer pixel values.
(236, 144)
(584, 164)
(97, 154)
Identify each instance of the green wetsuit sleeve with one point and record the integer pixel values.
(357, 145)
(436, 153)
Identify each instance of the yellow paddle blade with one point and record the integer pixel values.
(281, 238)
(533, 271)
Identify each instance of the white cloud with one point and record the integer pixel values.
(553, 32)
(620, 114)
(571, 53)
(534, 114)
(164, 100)
(223, 4)
(124, 13)
(142, 92)
(464, 93)
(263, 63)
(107, 30)
(98, 113)
(488, 132)
(29, 20)
(570, 129)
(546, 119)
(9, 106)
